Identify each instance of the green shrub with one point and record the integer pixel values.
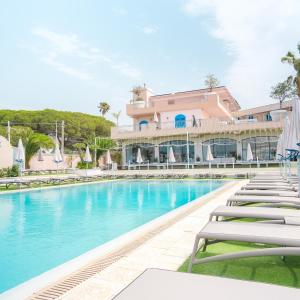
(2, 173)
(84, 165)
(14, 171)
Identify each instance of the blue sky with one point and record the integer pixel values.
(70, 55)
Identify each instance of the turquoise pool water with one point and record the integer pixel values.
(42, 229)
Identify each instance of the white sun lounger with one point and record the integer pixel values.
(284, 215)
(271, 184)
(155, 284)
(286, 236)
(270, 180)
(272, 200)
(277, 187)
(276, 193)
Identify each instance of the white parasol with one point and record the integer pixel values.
(87, 157)
(249, 153)
(108, 158)
(139, 158)
(171, 156)
(20, 155)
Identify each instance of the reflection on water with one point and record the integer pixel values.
(109, 197)
(88, 205)
(140, 198)
(5, 213)
(173, 199)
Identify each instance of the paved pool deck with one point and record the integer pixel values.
(167, 249)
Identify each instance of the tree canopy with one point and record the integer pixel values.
(285, 90)
(79, 127)
(104, 107)
(211, 81)
(294, 61)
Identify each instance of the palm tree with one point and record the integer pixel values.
(33, 141)
(80, 147)
(291, 59)
(104, 107)
(116, 115)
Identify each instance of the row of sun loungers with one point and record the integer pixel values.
(283, 231)
(263, 200)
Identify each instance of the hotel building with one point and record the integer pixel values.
(189, 121)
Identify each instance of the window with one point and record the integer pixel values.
(220, 148)
(250, 117)
(179, 148)
(268, 117)
(147, 152)
(263, 147)
(180, 121)
(143, 124)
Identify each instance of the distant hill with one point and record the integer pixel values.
(79, 127)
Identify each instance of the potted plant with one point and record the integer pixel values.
(137, 100)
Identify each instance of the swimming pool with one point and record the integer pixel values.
(41, 229)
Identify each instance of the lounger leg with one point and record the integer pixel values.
(195, 249)
(204, 245)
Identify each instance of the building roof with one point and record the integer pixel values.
(204, 90)
(224, 93)
(261, 109)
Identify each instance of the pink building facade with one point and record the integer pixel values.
(189, 121)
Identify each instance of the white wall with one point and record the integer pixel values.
(167, 119)
(6, 153)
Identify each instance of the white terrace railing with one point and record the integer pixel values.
(153, 129)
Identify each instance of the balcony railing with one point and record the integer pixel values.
(153, 129)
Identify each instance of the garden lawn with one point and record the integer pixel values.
(262, 269)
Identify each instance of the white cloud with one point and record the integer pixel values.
(51, 60)
(256, 35)
(150, 29)
(68, 54)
